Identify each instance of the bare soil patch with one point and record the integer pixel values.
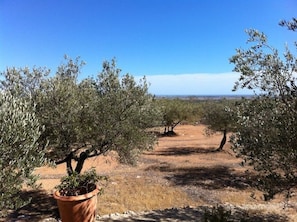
(182, 171)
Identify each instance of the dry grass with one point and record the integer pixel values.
(138, 193)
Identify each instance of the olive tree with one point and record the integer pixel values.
(219, 116)
(267, 125)
(90, 117)
(173, 112)
(122, 115)
(20, 131)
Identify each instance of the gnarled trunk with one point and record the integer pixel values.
(82, 157)
(223, 141)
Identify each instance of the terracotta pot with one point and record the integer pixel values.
(80, 208)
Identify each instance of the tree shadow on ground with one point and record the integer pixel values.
(217, 177)
(165, 134)
(197, 214)
(41, 206)
(183, 151)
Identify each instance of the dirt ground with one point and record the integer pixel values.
(182, 171)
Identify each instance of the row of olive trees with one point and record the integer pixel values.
(217, 115)
(58, 119)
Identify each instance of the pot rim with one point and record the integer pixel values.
(89, 195)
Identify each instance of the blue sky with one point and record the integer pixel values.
(181, 46)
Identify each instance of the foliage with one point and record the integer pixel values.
(291, 25)
(78, 184)
(19, 133)
(267, 125)
(174, 111)
(125, 113)
(194, 110)
(219, 116)
(90, 117)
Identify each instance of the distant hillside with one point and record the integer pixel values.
(204, 97)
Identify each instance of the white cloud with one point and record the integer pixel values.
(194, 84)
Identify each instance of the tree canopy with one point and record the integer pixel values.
(173, 112)
(219, 116)
(20, 152)
(267, 125)
(89, 117)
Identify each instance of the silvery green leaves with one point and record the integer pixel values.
(266, 130)
(291, 25)
(20, 153)
(262, 68)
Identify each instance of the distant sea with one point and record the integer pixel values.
(204, 97)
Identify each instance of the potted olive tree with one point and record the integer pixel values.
(77, 196)
(87, 118)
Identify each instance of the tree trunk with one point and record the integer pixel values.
(82, 157)
(223, 141)
(165, 130)
(68, 164)
(80, 162)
